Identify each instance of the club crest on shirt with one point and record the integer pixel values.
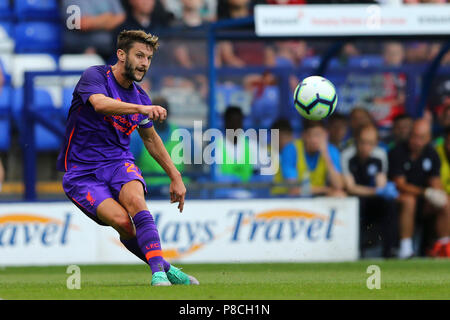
(426, 164)
(372, 169)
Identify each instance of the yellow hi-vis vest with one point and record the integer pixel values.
(318, 176)
(445, 168)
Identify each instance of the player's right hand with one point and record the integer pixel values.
(155, 113)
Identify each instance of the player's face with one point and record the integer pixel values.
(420, 137)
(366, 142)
(313, 138)
(137, 61)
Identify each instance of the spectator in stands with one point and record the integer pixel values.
(153, 173)
(241, 162)
(238, 53)
(415, 168)
(337, 127)
(401, 130)
(311, 161)
(98, 20)
(359, 117)
(364, 169)
(393, 54)
(147, 15)
(417, 52)
(191, 14)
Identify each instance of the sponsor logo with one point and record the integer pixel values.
(182, 239)
(24, 229)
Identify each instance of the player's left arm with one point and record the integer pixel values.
(157, 150)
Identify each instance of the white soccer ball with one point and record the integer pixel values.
(315, 98)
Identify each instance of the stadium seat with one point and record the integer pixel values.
(30, 62)
(265, 108)
(5, 137)
(36, 9)
(37, 37)
(5, 99)
(79, 61)
(7, 27)
(5, 10)
(6, 41)
(4, 60)
(45, 140)
(366, 61)
(66, 100)
(314, 62)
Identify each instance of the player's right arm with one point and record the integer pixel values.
(109, 106)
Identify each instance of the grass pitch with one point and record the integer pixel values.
(412, 279)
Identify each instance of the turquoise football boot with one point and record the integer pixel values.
(176, 276)
(159, 279)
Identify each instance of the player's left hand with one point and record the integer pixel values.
(177, 192)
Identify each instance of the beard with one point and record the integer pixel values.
(130, 72)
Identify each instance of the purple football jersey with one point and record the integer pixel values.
(92, 138)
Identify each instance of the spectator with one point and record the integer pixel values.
(98, 19)
(191, 15)
(393, 54)
(311, 161)
(443, 151)
(338, 130)
(401, 130)
(415, 168)
(444, 122)
(365, 176)
(359, 117)
(238, 165)
(147, 15)
(417, 52)
(232, 9)
(152, 171)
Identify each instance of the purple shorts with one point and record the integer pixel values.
(88, 188)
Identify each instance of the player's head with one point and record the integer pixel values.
(420, 136)
(286, 134)
(366, 140)
(359, 117)
(313, 133)
(135, 49)
(233, 118)
(402, 126)
(337, 128)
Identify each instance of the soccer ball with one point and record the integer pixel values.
(315, 98)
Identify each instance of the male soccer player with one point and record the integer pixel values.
(100, 177)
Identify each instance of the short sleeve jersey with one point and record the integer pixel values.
(92, 138)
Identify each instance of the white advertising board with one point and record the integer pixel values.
(352, 20)
(262, 230)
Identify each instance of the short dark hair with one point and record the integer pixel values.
(231, 111)
(366, 127)
(401, 116)
(127, 38)
(282, 125)
(310, 124)
(337, 117)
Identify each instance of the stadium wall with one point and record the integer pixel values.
(272, 230)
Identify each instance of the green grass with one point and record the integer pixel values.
(412, 279)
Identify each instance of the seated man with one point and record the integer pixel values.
(365, 176)
(310, 161)
(415, 168)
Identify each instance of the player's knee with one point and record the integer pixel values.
(134, 203)
(408, 202)
(124, 226)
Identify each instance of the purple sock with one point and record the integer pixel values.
(148, 241)
(133, 247)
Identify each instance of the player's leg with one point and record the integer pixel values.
(441, 247)
(132, 198)
(408, 205)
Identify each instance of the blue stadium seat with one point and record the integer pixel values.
(5, 99)
(67, 100)
(6, 76)
(265, 108)
(45, 140)
(37, 37)
(5, 137)
(5, 10)
(366, 61)
(36, 9)
(8, 27)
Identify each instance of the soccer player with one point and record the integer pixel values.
(100, 177)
